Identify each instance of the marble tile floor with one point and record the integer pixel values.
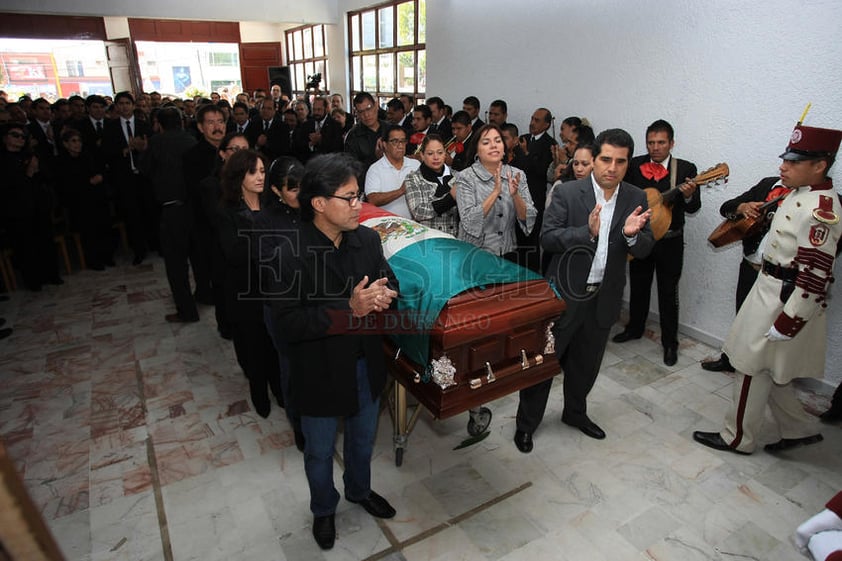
(137, 441)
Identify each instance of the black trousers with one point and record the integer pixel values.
(203, 238)
(136, 205)
(580, 345)
(176, 221)
(258, 358)
(665, 262)
(745, 281)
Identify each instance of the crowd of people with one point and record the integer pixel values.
(261, 200)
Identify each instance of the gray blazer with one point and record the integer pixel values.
(565, 235)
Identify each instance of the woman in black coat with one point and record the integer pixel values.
(275, 225)
(242, 182)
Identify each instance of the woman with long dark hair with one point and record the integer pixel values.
(493, 199)
(242, 183)
(275, 225)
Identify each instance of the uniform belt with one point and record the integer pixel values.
(592, 287)
(780, 273)
(673, 234)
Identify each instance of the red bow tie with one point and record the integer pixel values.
(653, 171)
(777, 192)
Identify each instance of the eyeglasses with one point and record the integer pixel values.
(396, 141)
(15, 134)
(236, 149)
(365, 110)
(350, 199)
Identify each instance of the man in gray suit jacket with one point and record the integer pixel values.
(590, 227)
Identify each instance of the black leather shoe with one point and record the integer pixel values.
(523, 441)
(324, 531)
(5, 332)
(714, 440)
(670, 356)
(624, 336)
(375, 505)
(722, 364)
(832, 415)
(588, 427)
(787, 443)
(138, 258)
(176, 318)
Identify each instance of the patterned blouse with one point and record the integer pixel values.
(430, 202)
(494, 232)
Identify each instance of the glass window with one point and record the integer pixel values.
(388, 50)
(368, 30)
(387, 27)
(307, 55)
(387, 72)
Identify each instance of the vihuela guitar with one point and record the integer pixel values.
(662, 203)
(740, 226)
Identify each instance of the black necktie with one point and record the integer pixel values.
(129, 128)
(266, 125)
(240, 128)
(99, 128)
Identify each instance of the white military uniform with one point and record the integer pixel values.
(801, 247)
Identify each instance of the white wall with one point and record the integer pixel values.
(732, 78)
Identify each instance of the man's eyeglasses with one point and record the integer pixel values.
(362, 110)
(350, 199)
(396, 141)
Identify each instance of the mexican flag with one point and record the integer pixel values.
(432, 267)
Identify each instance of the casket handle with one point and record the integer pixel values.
(524, 360)
(489, 373)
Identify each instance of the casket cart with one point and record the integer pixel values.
(471, 327)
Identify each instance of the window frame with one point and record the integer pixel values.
(307, 65)
(357, 77)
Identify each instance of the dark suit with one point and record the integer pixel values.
(331, 140)
(534, 164)
(200, 162)
(666, 259)
(133, 193)
(477, 125)
(581, 331)
(278, 141)
(163, 163)
(444, 129)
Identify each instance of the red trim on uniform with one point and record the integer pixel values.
(835, 504)
(741, 411)
(824, 186)
(789, 326)
(835, 556)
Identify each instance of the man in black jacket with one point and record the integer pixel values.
(660, 170)
(163, 164)
(334, 285)
(590, 228)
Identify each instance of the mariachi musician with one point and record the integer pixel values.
(659, 169)
(757, 205)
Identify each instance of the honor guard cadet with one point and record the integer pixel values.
(780, 332)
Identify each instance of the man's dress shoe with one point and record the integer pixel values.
(722, 364)
(588, 427)
(670, 356)
(523, 441)
(324, 531)
(375, 505)
(787, 443)
(714, 440)
(624, 336)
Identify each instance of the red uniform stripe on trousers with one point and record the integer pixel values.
(741, 411)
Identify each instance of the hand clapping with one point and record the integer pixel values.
(636, 221)
(375, 297)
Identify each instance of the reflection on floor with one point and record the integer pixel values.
(137, 442)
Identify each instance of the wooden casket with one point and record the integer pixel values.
(484, 322)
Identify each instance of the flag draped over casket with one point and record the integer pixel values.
(432, 267)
